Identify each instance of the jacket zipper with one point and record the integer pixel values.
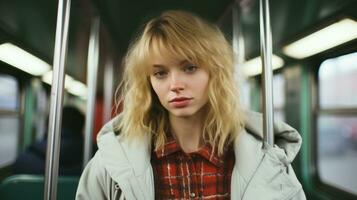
(117, 192)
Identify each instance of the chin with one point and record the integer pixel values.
(183, 112)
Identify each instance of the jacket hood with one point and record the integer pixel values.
(249, 150)
(285, 137)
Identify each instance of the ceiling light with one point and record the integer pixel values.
(22, 60)
(47, 78)
(78, 88)
(254, 66)
(72, 86)
(338, 33)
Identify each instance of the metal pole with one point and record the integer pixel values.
(108, 89)
(239, 54)
(266, 51)
(238, 40)
(55, 118)
(92, 71)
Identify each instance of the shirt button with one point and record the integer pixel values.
(192, 195)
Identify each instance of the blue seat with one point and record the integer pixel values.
(32, 187)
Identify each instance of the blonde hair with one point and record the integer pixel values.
(186, 35)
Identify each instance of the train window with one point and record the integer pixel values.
(337, 86)
(8, 139)
(337, 123)
(279, 97)
(9, 121)
(8, 93)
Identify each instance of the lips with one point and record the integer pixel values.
(180, 102)
(178, 99)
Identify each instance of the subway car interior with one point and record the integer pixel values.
(314, 61)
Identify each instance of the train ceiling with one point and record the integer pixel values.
(31, 24)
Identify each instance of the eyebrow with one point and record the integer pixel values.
(158, 66)
(184, 61)
(162, 66)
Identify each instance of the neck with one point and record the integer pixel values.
(188, 131)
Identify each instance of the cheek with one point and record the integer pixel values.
(154, 85)
(203, 87)
(157, 87)
(203, 83)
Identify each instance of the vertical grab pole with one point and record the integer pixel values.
(266, 51)
(92, 71)
(55, 118)
(239, 51)
(238, 40)
(108, 89)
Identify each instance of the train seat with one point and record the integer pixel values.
(32, 187)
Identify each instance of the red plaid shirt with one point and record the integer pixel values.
(197, 175)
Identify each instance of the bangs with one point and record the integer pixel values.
(174, 49)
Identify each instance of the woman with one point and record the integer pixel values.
(182, 133)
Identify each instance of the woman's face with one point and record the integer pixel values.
(180, 85)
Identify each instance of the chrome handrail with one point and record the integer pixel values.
(92, 71)
(266, 51)
(55, 117)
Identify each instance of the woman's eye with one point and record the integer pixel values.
(190, 68)
(160, 74)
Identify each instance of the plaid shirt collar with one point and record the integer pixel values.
(171, 146)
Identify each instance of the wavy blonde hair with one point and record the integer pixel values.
(184, 35)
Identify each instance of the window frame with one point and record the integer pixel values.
(317, 111)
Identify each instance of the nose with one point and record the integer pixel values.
(177, 83)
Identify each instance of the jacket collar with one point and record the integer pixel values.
(205, 151)
(130, 160)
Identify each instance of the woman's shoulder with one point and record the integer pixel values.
(95, 181)
(95, 169)
(262, 170)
